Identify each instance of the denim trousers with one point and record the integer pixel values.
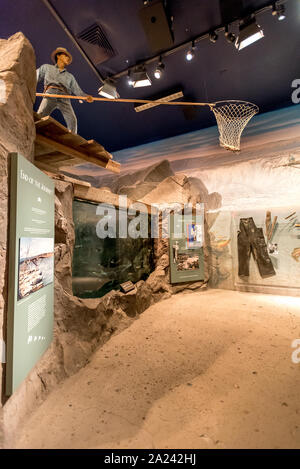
(251, 240)
(48, 105)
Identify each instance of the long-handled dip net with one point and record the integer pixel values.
(232, 116)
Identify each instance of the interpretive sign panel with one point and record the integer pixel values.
(186, 248)
(31, 269)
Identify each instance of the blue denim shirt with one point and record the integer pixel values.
(52, 75)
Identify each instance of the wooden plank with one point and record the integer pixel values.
(63, 177)
(36, 116)
(68, 139)
(94, 149)
(101, 155)
(96, 195)
(99, 148)
(72, 161)
(97, 145)
(78, 182)
(55, 157)
(53, 129)
(53, 135)
(40, 149)
(93, 194)
(113, 166)
(110, 165)
(89, 146)
(43, 166)
(42, 122)
(57, 165)
(50, 126)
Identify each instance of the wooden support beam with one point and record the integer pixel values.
(99, 196)
(110, 165)
(50, 125)
(68, 139)
(56, 157)
(41, 149)
(96, 148)
(43, 166)
(62, 177)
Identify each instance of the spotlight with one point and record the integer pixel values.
(250, 32)
(279, 11)
(108, 90)
(230, 37)
(213, 37)
(140, 78)
(190, 54)
(159, 70)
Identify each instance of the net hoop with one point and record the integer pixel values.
(232, 116)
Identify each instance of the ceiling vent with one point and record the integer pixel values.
(95, 44)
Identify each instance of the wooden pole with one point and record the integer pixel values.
(123, 100)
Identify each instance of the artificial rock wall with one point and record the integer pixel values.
(80, 326)
(17, 134)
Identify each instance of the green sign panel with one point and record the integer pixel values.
(31, 269)
(186, 248)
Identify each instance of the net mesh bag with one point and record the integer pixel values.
(232, 117)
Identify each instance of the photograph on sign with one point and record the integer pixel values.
(36, 265)
(186, 261)
(194, 236)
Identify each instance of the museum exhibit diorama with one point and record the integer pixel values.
(150, 214)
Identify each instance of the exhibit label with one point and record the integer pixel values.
(186, 248)
(31, 269)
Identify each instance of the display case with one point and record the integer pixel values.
(101, 265)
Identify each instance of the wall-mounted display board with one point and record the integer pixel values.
(31, 269)
(266, 250)
(186, 248)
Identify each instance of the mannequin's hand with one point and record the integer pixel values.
(89, 99)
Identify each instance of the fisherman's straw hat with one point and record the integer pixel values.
(60, 50)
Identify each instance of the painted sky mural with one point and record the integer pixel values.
(263, 172)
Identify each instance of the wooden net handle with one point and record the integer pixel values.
(123, 100)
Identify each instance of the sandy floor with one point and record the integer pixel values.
(202, 370)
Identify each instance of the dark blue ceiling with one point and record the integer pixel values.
(261, 73)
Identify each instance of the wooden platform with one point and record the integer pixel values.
(56, 147)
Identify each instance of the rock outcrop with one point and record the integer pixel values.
(182, 189)
(17, 134)
(81, 325)
(135, 184)
(17, 95)
(64, 234)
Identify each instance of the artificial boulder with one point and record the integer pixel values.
(64, 233)
(17, 94)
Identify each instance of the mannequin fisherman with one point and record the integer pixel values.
(58, 81)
